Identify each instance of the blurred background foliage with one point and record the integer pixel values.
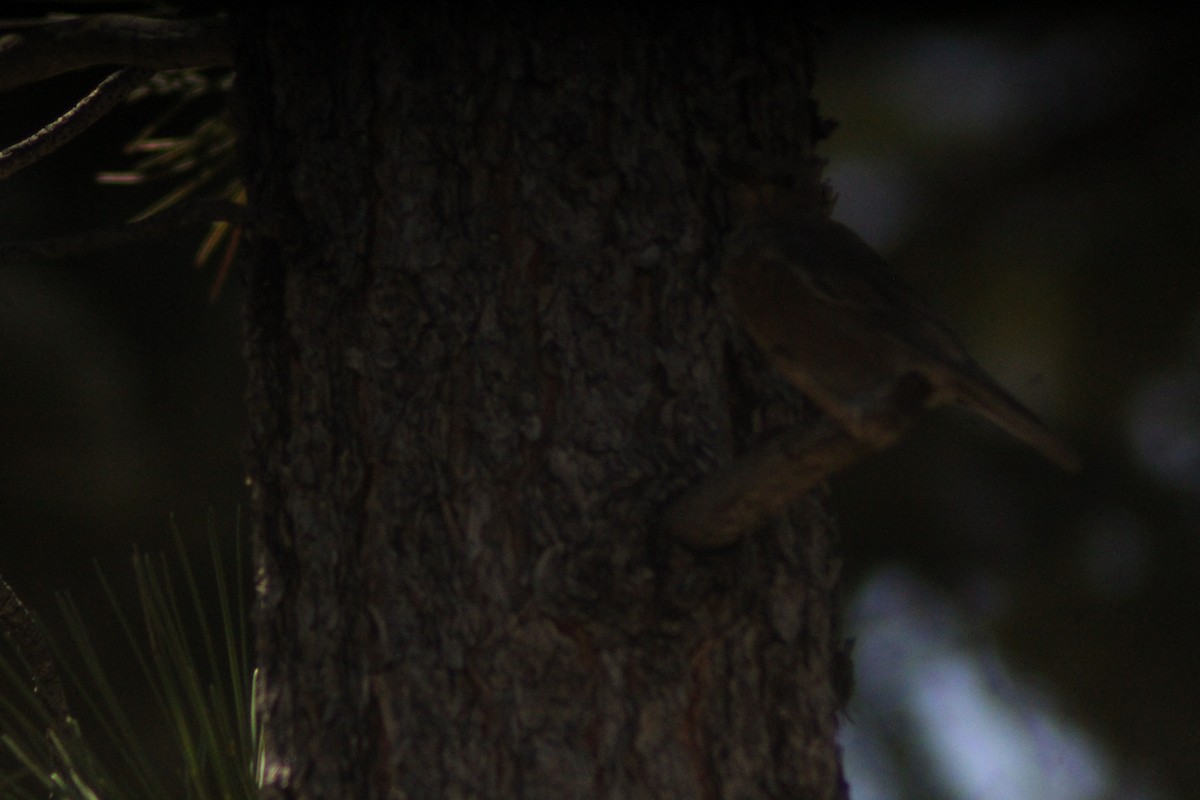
(1020, 633)
(1024, 633)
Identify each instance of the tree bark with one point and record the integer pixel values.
(486, 346)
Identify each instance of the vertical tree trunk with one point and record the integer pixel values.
(485, 347)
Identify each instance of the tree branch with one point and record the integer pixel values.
(43, 51)
(97, 103)
(75, 244)
(737, 498)
(20, 628)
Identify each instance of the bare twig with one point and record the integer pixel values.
(737, 498)
(75, 244)
(100, 101)
(31, 54)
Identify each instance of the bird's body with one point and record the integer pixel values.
(839, 324)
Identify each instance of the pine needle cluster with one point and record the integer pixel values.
(196, 669)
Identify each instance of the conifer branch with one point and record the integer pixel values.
(32, 53)
(83, 115)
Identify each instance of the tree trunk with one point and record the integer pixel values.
(486, 346)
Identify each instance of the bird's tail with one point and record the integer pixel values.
(983, 396)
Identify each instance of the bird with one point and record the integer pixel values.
(836, 322)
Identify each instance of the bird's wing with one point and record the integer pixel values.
(871, 289)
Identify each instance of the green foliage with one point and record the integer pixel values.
(199, 676)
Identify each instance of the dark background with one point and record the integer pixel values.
(1021, 633)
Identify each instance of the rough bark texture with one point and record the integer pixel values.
(485, 348)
